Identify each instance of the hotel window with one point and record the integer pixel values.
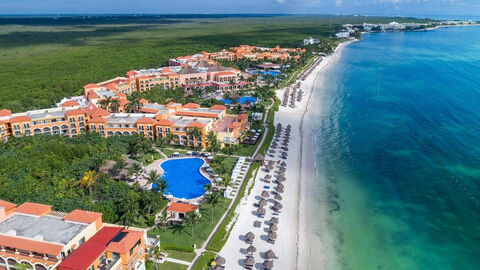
(149, 128)
(72, 119)
(73, 125)
(16, 127)
(167, 130)
(74, 131)
(93, 128)
(141, 129)
(26, 125)
(35, 123)
(100, 127)
(27, 132)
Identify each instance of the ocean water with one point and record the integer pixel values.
(398, 151)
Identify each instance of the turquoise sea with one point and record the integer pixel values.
(398, 151)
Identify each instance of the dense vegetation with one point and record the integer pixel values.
(45, 59)
(47, 169)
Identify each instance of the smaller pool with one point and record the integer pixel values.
(241, 100)
(184, 178)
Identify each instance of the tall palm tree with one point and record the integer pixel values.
(105, 103)
(153, 177)
(155, 255)
(119, 166)
(208, 187)
(114, 105)
(191, 219)
(161, 185)
(88, 180)
(213, 199)
(212, 141)
(169, 138)
(196, 134)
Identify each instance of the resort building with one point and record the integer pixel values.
(177, 211)
(43, 239)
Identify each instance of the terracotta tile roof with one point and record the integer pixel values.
(112, 86)
(70, 103)
(31, 245)
(82, 216)
(92, 95)
(191, 106)
(120, 94)
(218, 107)
(143, 101)
(147, 110)
(131, 73)
(242, 116)
(82, 257)
(98, 112)
(196, 124)
(90, 85)
(36, 209)
(146, 120)
(182, 207)
(17, 119)
(74, 112)
(225, 73)
(7, 205)
(126, 243)
(165, 122)
(199, 114)
(234, 125)
(5, 112)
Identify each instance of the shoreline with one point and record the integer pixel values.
(292, 237)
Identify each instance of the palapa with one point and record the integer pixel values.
(262, 202)
(278, 205)
(268, 176)
(273, 227)
(268, 264)
(261, 211)
(279, 190)
(251, 249)
(270, 254)
(265, 194)
(274, 220)
(250, 236)
(220, 260)
(280, 185)
(278, 197)
(272, 235)
(249, 261)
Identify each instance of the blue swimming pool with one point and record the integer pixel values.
(184, 178)
(274, 73)
(241, 100)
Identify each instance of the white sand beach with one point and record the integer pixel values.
(293, 243)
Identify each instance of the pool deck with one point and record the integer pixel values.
(156, 166)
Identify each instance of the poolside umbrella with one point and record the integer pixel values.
(249, 236)
(251, 249)
(268, 264)
(274, 220)
(278, 205)
(220, 260)
(218, 267)
(279, 190)
(280, 185)
(270, 254)
(268, 176)
(249, 261)
(261, 211)
(283, 164)
(265, 194)
(270, 167)
(272, 235)
(262, 202)
(273, 228)
(278, 197)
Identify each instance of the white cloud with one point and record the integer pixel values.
(338, 3)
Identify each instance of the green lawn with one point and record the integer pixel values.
(180, 235)
(203, 262)
(185, 256)
(166, 266)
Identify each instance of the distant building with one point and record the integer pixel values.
(343, 34)
(177, 211)
(310, 41)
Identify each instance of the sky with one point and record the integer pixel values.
(363, 7)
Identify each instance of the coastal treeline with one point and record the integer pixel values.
(53, 170)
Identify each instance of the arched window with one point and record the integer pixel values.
(40, 267)
(47, 130)
(12, 262)
(64, 129)
(118, 133)
(110, 133)
(126, 133)
(37, 131)
(56, 130)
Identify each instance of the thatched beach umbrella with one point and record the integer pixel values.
(284, 148)
(278, 205)
(268, 264)
(282, 169)
(283, 164)
(270, 167)
(220, 260)
(249, 261)
(265, 194)
(281, 174)
(272, 235)
(281, 179)
(268, 176)
(272, 151)
(261, 211)
(251, 249)
(271, 162)
(249, 236)
(270, 254)
(279, 190)
(273, 228)
(218, 267)
(280, 185)
(274, 220)
(262, 202)
(278, 197)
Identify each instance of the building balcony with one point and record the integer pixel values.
(110, 264)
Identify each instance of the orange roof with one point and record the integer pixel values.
(242, 116)
(98, 112)
(5, 112)
(82, 216)
(143, 101)
(165, 122)
(120, 94)
(97, 120)
(167, 69)
(225, 73)
(182, 207)
(196, 124)
(92, 94)
(131, 73)
(36, 209)
(74, 112)
(147, 110)
(146, 120)
(90, 85)
(31, 245)
(234, 125)
(70, 103)
(126, 243)
(7, 205)
(20, 119)
(112, 86)
(218, 107)
(191, 106)
(199, 114)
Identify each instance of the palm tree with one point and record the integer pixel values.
(153, 177)
(213, 199)
(175, 138)
(135, 169)
(208, 187)
(169, 138)
(213, 142)
(196, 134)
(22, 266)
(135, 105)
(161, 185)
(191, 219)
(114, 105)
(119, 166)
(155, 254)
(88, 180)
(105, 103)
(163, 219)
